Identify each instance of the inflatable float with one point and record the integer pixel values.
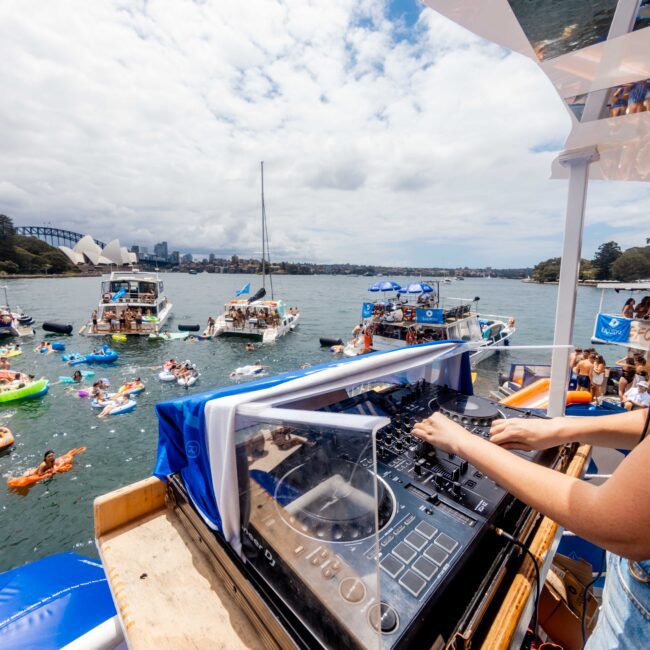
(127, 407)
(119, 337)
(535, 396)
(188, 328)
(105, 356)
(6, 439)
(86, 374)
(131, 389)
(30, 391)
(247, 371)
(57, 328)
(10, 352)
(186, 382)
(165, 375)
(61, 601)
(61, 464)
(169, 336)
(327, 342)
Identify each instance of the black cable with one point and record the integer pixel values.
(583, 626)
(538, 580)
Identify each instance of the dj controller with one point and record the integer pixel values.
(318, 547)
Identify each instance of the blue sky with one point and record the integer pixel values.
(390, 135)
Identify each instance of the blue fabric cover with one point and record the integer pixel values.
(182, 434)
(50, 602)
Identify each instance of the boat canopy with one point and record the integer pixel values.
(625, 286)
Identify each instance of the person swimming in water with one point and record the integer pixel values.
(49, 460)
(77, 376)
(250, 347)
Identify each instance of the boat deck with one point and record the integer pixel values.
(166, 592)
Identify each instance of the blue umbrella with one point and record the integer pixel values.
(417, 287)
(386, 285)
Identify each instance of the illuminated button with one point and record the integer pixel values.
(392, 566)
(412, 583)
(352, 590)
(416, 540)
(315, 560)
(299, 550)
(324, 553)
(446, 542)
(425, 568)
(383, 617)
(425, 529)
(404, 552)
(327, 572)
(436, 555)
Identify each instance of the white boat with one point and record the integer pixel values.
(138, 293)
(262, 320)
(398, 323)
(13, 322)
(257, 317)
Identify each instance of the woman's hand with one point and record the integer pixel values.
(526, 434)
(441, 432)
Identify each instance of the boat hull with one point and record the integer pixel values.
(147, 328)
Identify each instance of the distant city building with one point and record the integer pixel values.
(144, 250)
(86, 251)
(211, 258)
(187, 258)
(175, 257)
(160, 250)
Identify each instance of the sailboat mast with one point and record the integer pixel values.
(263, 230)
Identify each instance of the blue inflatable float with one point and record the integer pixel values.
(106, 355)
(50, 603)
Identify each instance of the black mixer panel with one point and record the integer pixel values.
(433, 508)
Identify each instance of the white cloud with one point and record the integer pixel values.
(148, 122)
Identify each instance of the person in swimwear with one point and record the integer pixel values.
(250, 347)
(49, 460)
(4, 364)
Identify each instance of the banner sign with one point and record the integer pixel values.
(366, 310)
(612, 329)
(431, 316)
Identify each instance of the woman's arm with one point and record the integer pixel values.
(613, 515)
(620, 431)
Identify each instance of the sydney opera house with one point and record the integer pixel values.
(86, 251)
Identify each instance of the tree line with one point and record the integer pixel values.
(609, 263)
(28, 255)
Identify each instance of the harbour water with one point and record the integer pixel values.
(56, 515)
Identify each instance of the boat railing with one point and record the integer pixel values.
(502, 317)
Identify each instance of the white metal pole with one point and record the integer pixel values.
(578, 163)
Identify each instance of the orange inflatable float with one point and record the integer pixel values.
(6, 438)
(536, 396)
(62, 464)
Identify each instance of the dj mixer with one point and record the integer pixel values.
(329, 516)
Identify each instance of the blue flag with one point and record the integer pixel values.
(366, 310)
(431, 316)
(245, 289)
(613, 329)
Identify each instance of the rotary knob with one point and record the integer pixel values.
(352, 590)
(383, 617)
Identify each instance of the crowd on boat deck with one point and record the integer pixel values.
(127, 319)
(262, 317)
(638, 311)
(630, 98)
(591, 373)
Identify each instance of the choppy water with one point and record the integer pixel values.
(56, 515)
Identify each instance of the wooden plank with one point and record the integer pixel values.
(512, 608)
(127, 504)
(166, 593)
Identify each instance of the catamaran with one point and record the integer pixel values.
(131, 302)
(392, 324)
(256, 317)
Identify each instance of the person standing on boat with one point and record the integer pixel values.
(614, 515)
(598, 377)
(211, 323)
(628, 308)
(583, 372)
(93, 318)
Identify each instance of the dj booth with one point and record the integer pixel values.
(335, 526)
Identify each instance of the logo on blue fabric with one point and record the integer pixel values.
(366, 310)
(192, 449)
(612, 329)
(433, 316)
